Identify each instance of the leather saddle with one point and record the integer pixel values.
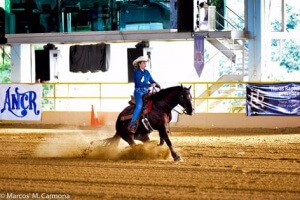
(147, 105)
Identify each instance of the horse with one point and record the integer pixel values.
(162, 103)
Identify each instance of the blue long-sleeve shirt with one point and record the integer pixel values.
(142, 79)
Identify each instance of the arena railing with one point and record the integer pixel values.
(207, 97)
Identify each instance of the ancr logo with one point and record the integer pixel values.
(20, 103)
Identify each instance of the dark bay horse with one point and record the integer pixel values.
(159, 117)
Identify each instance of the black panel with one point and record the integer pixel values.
(42, 65)
(185, 15)
(2, 22)
(132, 54)
(2, 26)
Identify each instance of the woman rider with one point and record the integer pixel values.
(142, 81)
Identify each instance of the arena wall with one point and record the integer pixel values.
(198, 120)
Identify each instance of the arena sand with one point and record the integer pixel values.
(216, 164)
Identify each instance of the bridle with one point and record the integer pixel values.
(184, 102)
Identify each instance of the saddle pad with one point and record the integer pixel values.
(149, 106)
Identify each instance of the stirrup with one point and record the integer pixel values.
(147, 125)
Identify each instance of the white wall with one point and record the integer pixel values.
(171, 62)
(115, 73)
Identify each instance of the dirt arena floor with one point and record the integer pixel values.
(53, 163)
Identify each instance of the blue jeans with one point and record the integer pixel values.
(138, 96)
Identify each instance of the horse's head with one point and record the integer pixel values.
(186, 100)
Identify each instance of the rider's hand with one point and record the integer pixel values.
(158, 86)
(153, 84)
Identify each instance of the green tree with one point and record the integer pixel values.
(5, 69)
(290, 49)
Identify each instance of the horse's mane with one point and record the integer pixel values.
(162, 93)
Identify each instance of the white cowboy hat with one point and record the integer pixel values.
(139, 59)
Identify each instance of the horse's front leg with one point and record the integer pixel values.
(167, 118)
(164, 136)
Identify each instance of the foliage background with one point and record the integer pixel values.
(5, 70)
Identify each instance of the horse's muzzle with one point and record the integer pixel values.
(189, 111)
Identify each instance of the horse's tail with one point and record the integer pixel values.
(99, 145)
(108, 142)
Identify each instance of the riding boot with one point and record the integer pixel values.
(132, 127)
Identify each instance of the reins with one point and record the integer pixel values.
(181, 113)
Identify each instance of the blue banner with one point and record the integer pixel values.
(279, 99)
(198, 53)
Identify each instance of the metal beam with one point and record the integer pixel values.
(118, 36)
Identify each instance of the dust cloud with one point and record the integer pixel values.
(101, 146)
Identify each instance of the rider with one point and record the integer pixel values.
(142, 81)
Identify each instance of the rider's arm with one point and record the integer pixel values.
(153, 82)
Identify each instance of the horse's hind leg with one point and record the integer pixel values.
(129, 138)
(142, 137)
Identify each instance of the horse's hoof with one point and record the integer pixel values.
(177, 158)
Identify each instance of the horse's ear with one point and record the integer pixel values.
(190, 87)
